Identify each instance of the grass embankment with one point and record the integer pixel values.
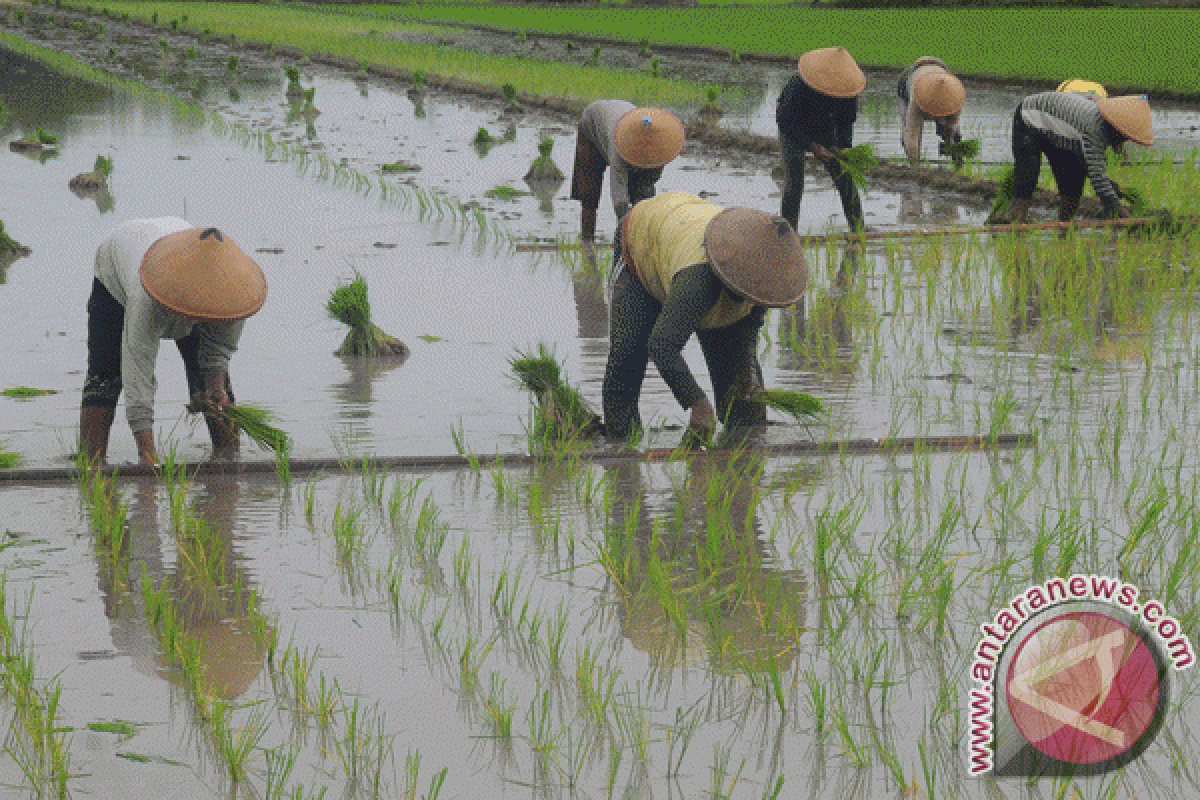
(364, 38)
(1109, 45)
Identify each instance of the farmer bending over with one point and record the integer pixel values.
(634, 143)
(1073, 132)
(928, 92)
(816, 112)
(163, 279)
(688, 267)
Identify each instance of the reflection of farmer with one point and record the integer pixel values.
(163, 279)
(213, 609)
(928, 92)
(688, 267)
(816, 112)
(724, 605)
(1073, 132)
(633, 144)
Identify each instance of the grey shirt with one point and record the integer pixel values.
(118, 267)
(912, 118)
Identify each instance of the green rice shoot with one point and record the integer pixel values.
(1002, 205)
(8, 460)
(562, 413)
(26, 392)
(964, 150)
(543, 167)
(801, 406)
(856, 161)
(45, 137)
(257, 423)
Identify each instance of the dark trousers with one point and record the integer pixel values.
(793, 188)
(1028, 145)
(106, 321)
(731, 354)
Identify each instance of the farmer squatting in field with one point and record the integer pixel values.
(687, 266)
(164, 279)
(633, 144)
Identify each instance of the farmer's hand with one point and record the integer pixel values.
(824, 154)
(1123, 212)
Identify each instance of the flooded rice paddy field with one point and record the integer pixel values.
(730, 626)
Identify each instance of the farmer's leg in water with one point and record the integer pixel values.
(793, 182)
(731, 354)
(851, 203)
(634, 312)
(1027, 164)
(102, 386)
(587, 180)
(1070, 172)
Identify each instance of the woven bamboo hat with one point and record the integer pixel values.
(832, 71)
(1130, 115)
(649, 137)
(757, 255)
(938, 93)
(1077, 86)
(203, 275)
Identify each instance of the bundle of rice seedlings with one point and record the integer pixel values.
(254, 422)
(562, 412)
(8, 244)
(856, 161)
(801, 406)
(960, 151)
(96, 179)
(8, 460)
(1135, 198)
(348, 304)
(294, 91)
(543, 167)
(46, 138)
(1004, 197)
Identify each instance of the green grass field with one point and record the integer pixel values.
(1110, 45)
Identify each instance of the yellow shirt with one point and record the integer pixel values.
(665, 234)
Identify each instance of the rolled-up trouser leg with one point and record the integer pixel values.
(793, 182)
(851, 202)
(634, 312)
(102, 386)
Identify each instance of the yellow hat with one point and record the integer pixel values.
(203, 275)
(832, 71)
(938, 93)
(1077, 86)
(757, 255)
(649, 137)
(1130, 115)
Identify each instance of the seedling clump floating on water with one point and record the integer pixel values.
(96, 179)
(562, 413)
(509, 93)
(543, 167)
(349, 305)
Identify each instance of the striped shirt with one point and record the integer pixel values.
(1074, 123)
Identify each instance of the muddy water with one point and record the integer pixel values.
(895, 340)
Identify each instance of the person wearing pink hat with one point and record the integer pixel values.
(686, 266)
(928, 92)
(815, 113)
(1073, 131)
(632, 144)
(163, 279)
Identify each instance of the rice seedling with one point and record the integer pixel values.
(94, 180)
(349, 305)
(1002, 203)
(562, 413)
(399, 168)
(857, 161)
(962, 151)
(543, 167)
(255, 422)
(503, 193)
(24, 392)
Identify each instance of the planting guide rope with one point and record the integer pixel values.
(885, 446)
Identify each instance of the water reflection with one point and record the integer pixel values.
(818, 332)
(356, 394)
(102, 196)
(214, 603)
(695, 583)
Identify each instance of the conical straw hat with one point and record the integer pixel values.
(757, 255)
(1130, 115)
(832, 71)
(649, 137)
(1077, 86)
(938, 93)
(202, 274)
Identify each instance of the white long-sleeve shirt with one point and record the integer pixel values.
(118, 265)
